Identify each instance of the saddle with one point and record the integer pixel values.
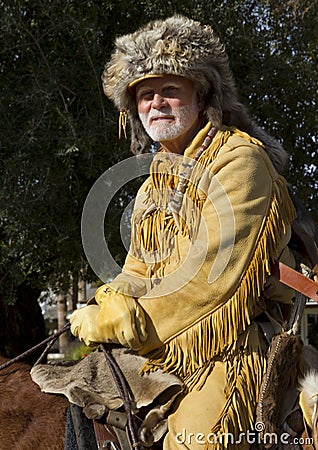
(90, 385)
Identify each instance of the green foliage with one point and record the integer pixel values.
(59, 131)
(79, 351)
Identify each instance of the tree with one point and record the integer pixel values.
(54, 140)
(59, 132)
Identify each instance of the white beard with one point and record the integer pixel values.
(184, 118)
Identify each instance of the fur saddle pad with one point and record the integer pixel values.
(90, 385)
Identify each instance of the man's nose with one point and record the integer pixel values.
(158, 101)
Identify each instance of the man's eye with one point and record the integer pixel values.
(171, 88)
(170, 91)
(146, 95)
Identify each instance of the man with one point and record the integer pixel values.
(208, 223)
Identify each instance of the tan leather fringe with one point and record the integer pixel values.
(245, 368)
(155, 231)
(187, 353)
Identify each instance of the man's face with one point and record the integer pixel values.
(169, 109)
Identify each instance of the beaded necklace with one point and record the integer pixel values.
(176, 197)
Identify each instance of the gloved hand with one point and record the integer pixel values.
(83, 324)
(119, 319)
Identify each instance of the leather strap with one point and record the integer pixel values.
(113, 434)
(296, 280)
(105, 436)
(307, 440)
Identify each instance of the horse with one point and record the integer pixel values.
(29, 419)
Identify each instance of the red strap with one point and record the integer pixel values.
(296, 280)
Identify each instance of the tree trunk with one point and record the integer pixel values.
(64, 339)
(82, 292)
(74, 296)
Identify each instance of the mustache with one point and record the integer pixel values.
(156, 114)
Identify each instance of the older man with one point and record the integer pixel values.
(208, 223)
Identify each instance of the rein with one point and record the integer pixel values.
(125, 393)
(120, 380)
(48, 342)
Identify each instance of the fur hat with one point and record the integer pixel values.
(177, 46)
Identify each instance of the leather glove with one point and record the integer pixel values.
(83, 324)
(119, 319)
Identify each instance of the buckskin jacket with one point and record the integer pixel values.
(199, 274)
